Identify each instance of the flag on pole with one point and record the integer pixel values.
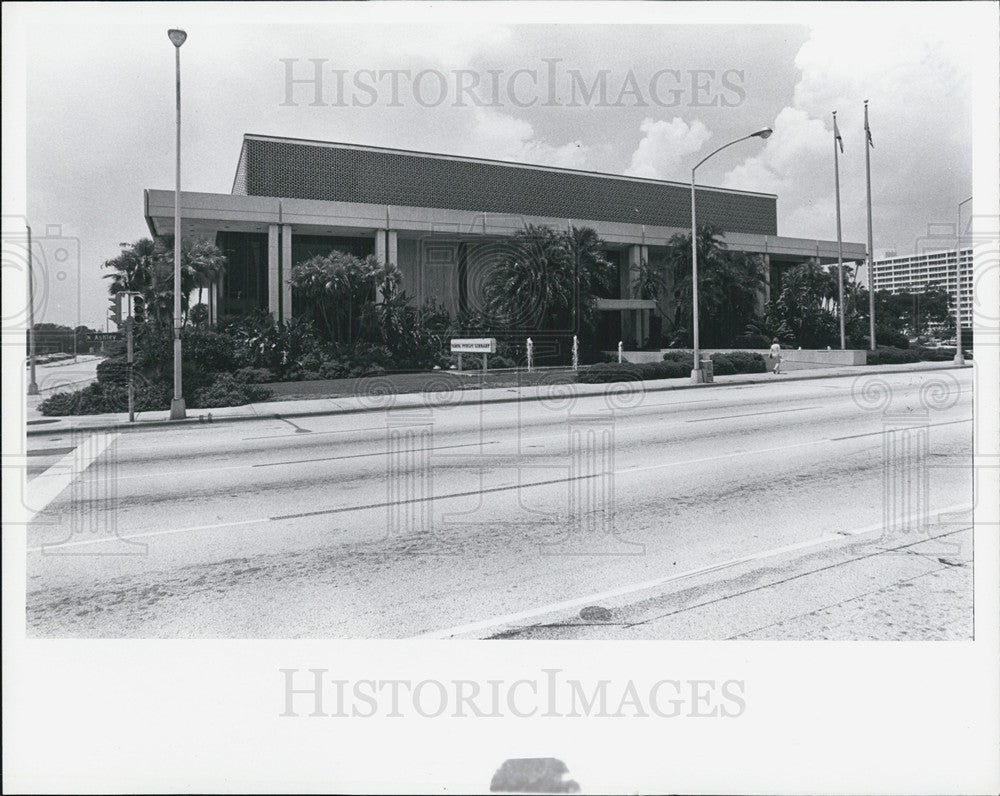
(868, 133)
(836, 134)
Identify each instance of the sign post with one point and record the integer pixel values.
(476, 345)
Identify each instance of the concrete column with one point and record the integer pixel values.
(286, 268)
(767, 280)
(380, 249)
(634, 325)
(644, 315)
(392, 256)
(273, 286)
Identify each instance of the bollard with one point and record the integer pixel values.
(619, 352)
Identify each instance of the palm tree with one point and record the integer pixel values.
(593, 272)
(342, 291)
(135, 270)
(204, 251)
(206, 262)
(807, 304)
(545, 279)
(729, 285)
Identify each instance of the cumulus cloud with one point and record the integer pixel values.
(918, 87)
(663, 153)
(502, 137)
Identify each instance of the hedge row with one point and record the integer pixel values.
(675, 365)
(604, 373)
(111, 394)
(888, 355)
(723, 364)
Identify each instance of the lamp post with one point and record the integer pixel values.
(959, 356)
(177, 409)
(697, 376)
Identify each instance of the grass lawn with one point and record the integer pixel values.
(431, 381)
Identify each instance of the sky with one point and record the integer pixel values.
(100, 110)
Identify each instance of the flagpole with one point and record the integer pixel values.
(840, 246)
(871, 253)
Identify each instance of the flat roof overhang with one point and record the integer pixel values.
(204, 214)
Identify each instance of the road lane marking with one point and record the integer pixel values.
(752, 414)
(598, 597)
(315, 433)
(506, 488)
(120, 536)
(883, 431)
(376, 453)
(46, 487)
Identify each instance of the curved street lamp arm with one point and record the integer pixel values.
(710, 154)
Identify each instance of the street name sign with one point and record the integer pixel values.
(103, 337)
(476, 345)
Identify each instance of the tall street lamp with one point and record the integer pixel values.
(959, 356)
(697, 375)
(177, 409)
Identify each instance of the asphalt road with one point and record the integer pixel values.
(492, 521)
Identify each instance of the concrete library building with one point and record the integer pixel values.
(441, 219)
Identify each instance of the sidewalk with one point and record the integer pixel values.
(379, 398)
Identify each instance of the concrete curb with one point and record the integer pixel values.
(206, 416)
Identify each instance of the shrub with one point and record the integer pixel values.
(311, 361)
(891, 356)
(333, 369)
(892, 339)
(113, 370)
(679, 355)
(98, 398)
(747, 361)
(592, 356)
(253, 375)
(602, 374)
(225, 390)
(61, 404)
(501, 362)
(664, 370)
(208, 350)
(259, 342)
(722, 366)
(511, 351)
(937, 354)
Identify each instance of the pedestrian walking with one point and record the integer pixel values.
(775, 356)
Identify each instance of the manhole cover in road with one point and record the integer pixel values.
(595, 613)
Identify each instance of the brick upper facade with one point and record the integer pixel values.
(346, 173)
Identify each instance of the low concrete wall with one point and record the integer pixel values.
(821, 357)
